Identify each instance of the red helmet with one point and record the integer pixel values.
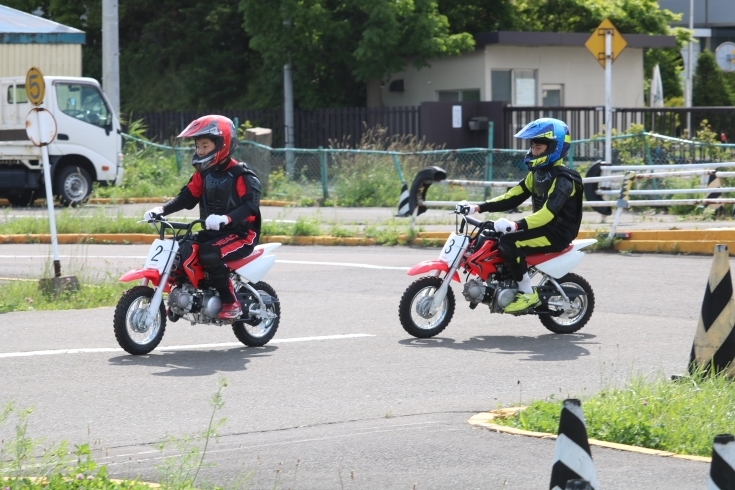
(221, 130)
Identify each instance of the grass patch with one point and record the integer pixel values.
(26, 296)
(84, 220)
(681, 417)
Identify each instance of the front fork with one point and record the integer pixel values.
(441, 293)
(158, 292)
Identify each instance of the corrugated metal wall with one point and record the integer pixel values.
(51, 59)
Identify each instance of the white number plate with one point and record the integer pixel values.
(160, 254)
(452, 248)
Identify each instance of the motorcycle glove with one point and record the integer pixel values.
(151, 213)
(214, 221)
(505, 226)
(465, 208)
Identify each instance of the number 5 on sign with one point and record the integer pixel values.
(35, 86)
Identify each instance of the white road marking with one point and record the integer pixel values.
(282, 261)
(178, 347)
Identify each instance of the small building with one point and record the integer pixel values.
(527, 69)
(27, 40)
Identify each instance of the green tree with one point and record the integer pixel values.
(174, 54)
(709, 85)
(329, 41)
(475, 16)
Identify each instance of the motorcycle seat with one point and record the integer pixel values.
(237, 263)
(535, 259)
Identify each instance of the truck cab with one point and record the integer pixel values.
(87, 148)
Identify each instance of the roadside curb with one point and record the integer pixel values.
(485, 419)
(139, 200)
(647, 241)
(652, 241)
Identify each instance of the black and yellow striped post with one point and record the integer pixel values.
(572, 455)
(722, 468)
(714, 183)
(714, 342)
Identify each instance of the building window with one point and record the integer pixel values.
(524, 87)
(500, 81)
(552, 95)
(459, 95)
(517, 87)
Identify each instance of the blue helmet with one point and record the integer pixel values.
(551, 132)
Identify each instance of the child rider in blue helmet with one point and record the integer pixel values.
(556, 193)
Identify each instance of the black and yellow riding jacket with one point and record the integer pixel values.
(556, 193)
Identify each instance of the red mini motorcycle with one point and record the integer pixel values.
(140, 316)
(427, 305)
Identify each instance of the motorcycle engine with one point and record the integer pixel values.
(181, 299)
(474, 291)
(505, 292)
(211, 304)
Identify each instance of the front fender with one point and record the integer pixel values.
(431, 265)
(151, 274)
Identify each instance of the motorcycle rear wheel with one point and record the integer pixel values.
(258, 332)
(130, 331)
(415, 299)
(571, 322)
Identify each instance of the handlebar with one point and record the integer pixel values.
(174, 225)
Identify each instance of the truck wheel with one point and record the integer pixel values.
(22, 200)
(73, 186)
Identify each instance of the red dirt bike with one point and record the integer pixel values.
(140, 316)
(427, 305)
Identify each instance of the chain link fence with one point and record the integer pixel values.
(354, 177)
(348, 177)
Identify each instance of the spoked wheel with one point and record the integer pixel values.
(576, 313)
(253, 331)
(414, 309)
(131, 332)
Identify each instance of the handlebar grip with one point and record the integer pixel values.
(473, 221)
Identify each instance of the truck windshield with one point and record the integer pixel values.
(83, 102)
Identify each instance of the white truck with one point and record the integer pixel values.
(87, 147)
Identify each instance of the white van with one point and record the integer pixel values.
(87, 148)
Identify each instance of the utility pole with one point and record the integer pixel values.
(111, 53)
(690, 70)
(608, 95)
(288, 110)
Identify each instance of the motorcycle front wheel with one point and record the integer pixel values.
(255, 332)
(413, 309)
(577, 313)
(131, 331)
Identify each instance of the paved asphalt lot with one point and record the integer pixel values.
(343, 397)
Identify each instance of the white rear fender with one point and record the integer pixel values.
(267, 247)
(565, 263)
(255, 270)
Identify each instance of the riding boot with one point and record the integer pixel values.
(220, 279)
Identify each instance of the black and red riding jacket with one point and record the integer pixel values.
(232, 191)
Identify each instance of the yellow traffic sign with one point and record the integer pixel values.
(35, 86)
(596, 42)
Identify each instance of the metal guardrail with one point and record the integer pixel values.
(623, 201)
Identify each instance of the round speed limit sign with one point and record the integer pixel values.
(35, 86)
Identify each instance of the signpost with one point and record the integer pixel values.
(606, 44)
(41, 130)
